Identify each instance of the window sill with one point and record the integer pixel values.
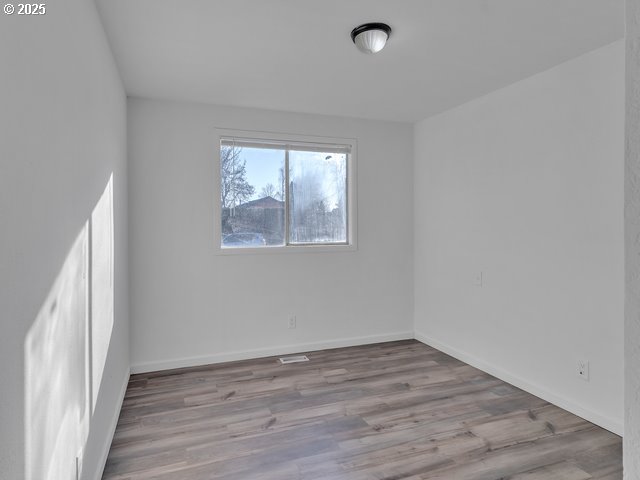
(287, 249)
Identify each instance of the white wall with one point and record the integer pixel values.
(631, 446)
(62, 137)
(192, 306)
(526, 186)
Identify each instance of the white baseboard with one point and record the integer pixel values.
(267, 352)
(112, 429)
(564, 403)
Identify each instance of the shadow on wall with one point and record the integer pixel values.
(65, 351)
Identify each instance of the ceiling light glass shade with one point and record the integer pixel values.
(371, 37)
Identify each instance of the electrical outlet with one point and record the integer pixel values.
(477, 280)
(583, 369)
(292, 321)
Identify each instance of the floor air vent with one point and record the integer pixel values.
(293, 359)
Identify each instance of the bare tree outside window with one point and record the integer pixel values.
(234, 188)
(269, 190)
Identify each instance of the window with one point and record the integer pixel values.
(285, 193)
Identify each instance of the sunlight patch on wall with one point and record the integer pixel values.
(57, 390)
(66, 349)
(101, 286)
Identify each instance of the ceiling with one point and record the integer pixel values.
(296, 55)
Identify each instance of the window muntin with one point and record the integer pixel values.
(283, 194)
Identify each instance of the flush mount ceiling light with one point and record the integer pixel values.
(371, 37)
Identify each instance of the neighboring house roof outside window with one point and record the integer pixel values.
(264, 202)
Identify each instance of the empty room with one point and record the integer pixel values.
(320, 240)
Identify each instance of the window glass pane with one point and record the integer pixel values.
(252, 196)
(317, 197)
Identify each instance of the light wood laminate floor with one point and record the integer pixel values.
(390, 411)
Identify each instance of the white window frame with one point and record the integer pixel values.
(352, 231)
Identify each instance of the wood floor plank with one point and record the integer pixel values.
(391, 411)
